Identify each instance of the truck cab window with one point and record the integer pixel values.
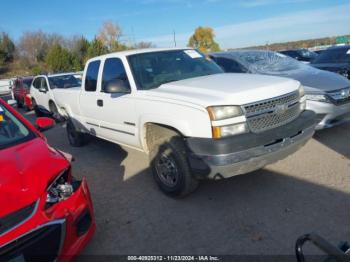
(114, 70)
(91, 76)
(37, 83)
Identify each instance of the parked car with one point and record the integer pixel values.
(302, 55)
(327, 94)
(44, 88)
(335, 59)
(45, 214)
(194, 121)
(5, 86)
(21, 92)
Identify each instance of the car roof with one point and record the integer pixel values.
(228, 54)
(136, 51)
(339, 47)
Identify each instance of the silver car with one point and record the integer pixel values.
(327, 93)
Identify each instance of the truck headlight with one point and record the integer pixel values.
(317, 97)
(60, 189)
(230, 130)
(224, 112)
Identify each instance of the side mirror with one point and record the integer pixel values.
(117, 86)
(44, 123)
(12, 102)
(42, 90)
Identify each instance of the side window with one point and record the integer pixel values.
(44, 83)
(114, 70)
(37, 83)
(230, 66)
(91, 76)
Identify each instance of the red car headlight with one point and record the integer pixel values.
(60, 189)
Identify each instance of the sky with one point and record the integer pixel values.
(237, 23)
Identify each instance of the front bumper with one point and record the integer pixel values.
(329, 115)
(231, 156)
(57, 233)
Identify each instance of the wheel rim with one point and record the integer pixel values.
(54, 111)
(167, 170)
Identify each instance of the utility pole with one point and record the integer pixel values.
(174, 38)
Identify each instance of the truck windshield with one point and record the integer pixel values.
(12, 131)
(64, 81)
(153, 69)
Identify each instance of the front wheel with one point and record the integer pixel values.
(37, 111)
(55, 114)
(171, 169)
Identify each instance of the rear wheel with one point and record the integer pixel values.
(75, 138)
(171, 169)
(54, 111)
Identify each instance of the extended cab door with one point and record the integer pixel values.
(89, 97)
(117, 114)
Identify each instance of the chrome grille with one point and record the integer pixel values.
(272, 113)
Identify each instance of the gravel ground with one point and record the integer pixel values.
(263, 212)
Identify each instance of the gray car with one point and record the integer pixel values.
(327, 93)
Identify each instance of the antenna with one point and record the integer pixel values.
(174, 38)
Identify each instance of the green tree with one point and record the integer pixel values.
(96, 48)
(59, 59)
(7, 48)
(203, 39)
(80, 52)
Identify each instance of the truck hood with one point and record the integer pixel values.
(225, 89)
(314, 79)
(25, 172)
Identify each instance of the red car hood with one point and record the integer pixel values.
(25, 172)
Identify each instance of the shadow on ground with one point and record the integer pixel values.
(334, 138)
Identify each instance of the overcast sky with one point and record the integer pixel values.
(236, 23)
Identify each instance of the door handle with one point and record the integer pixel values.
(100, 102)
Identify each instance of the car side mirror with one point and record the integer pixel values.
(117, 86)
(12, 102)
(42, 90)
(44, 123)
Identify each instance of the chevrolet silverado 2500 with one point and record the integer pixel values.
(193, 120)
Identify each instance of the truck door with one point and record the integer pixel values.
(90, 111)
(117, 114)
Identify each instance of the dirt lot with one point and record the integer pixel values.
(259, 213)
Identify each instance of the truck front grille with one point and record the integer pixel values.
(272, 113)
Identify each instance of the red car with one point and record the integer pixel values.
(21, 92)
(45, 214)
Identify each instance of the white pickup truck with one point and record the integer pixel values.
(194, 121)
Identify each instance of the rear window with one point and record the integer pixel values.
(12, 130)
(91, 76)
(333, 56)
(27, 83)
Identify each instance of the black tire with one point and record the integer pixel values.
(54, 112)
(19, 103)
(37, 112)
(75, 138)
(171, 169)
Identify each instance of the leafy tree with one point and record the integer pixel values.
(59, 59)
(109, 35)
(79, 49)
(203, 39)
(7, 48)
(96, 48)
